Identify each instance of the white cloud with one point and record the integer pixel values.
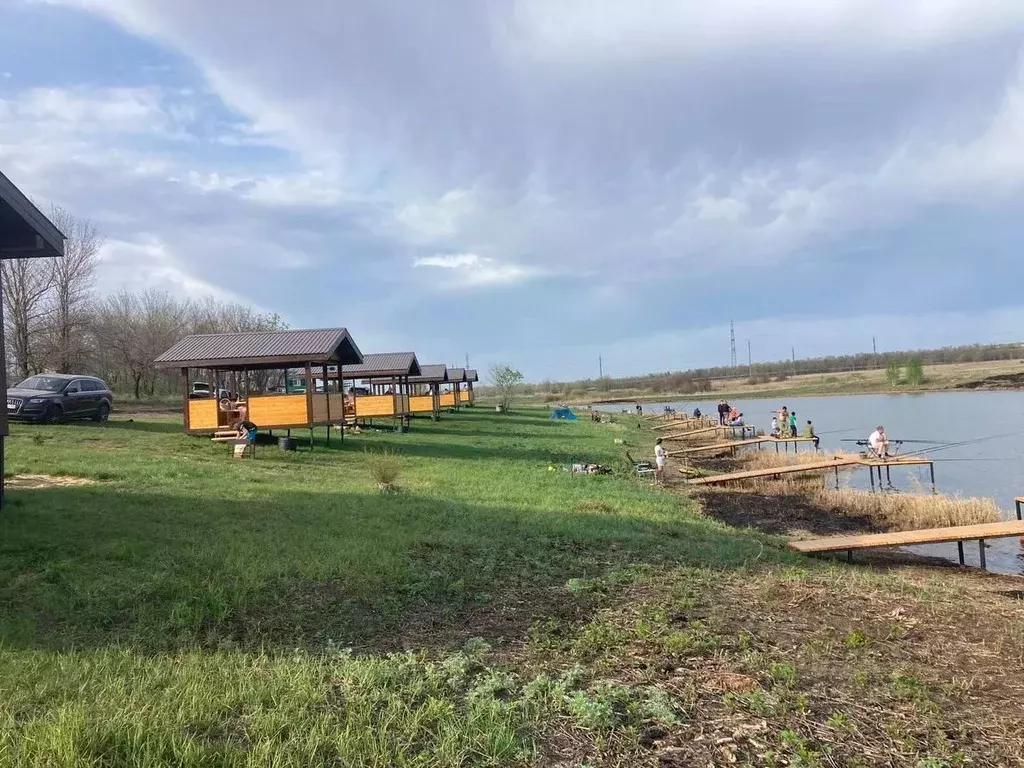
(472, 270)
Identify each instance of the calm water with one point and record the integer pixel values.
(992, 468)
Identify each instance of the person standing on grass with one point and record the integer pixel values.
(660, 458)
(792, 425)
(809, 432)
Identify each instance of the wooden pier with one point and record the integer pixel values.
(959, 534)
(792, 469)
(821, 466)
(734, 444)
(713, 432)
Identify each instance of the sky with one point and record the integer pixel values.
(543, 183)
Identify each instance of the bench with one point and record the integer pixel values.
(959, 534)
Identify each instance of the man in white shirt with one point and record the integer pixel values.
(879, 443)
(660, 457)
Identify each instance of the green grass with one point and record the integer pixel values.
(190, 609)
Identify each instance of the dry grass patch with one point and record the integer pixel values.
(910, 511)
(46, 481)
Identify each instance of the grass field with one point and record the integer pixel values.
(189, 609)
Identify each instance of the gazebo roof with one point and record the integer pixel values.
(382, 364)
(24, 231)
(262, 350)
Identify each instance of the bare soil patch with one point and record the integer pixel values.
(46, 481)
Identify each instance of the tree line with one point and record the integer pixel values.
(699, 380)
(56, 321)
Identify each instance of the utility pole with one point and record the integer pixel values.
(793, 368)
(600, 368)
(874, 351)
(750, 365)
(467, 360)
(732, 343)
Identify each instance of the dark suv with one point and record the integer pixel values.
(53, 397)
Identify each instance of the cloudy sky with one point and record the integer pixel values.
(543, 182)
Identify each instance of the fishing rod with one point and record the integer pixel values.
(961, 443)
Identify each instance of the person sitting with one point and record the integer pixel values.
(878, 442)
(775, 427)
(809, 432)
(734, 414)
(738, 421)
(696, 413)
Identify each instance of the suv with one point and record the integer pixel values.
(54, 397)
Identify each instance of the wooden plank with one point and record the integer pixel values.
(202, 414)
(368, 406)
(906, 538)
(278, 411)
(773, 471)
(719, 446)
(895, 461)
(692, 433)
(421, 404)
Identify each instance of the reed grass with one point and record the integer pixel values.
(909, 511)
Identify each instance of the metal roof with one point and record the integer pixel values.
(383, 364)
(456, 374)
(24, 231)
(472, 375)
(262, 349)
(431, 374)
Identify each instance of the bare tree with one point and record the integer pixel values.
(73, 277)
(26, 284)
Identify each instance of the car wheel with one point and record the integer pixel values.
(102, 413)
(54, 415)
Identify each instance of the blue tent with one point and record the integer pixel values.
(563, 413)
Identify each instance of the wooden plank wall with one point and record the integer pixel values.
(368, 406)
(269, 411)
(448, 400)
(421, 404)
(202, 414)
(320, 400)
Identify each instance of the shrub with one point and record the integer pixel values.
(385, 468)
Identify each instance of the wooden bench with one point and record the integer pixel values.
(959, 534)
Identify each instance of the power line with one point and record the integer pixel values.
(732, 343)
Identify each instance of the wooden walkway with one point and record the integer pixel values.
(791, 469)
(959, 534)
(686, 424)
(740, 443)
(704, 431)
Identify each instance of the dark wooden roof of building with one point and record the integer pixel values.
(24, 231)
(456, 374)
(431, 374)
(472, 375)
(262, 349)
(383, 364)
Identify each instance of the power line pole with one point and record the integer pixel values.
(750, 365)
(732, 343)
(600, 368)
(467, 359)
(793, 352)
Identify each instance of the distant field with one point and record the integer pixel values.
(937, 377)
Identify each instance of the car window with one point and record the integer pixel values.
(98, 385)
(44, 383)
(73, 387)
(89, 385)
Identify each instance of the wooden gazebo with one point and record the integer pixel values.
(426, 394)
(312, 351)
(387, 376)
(472, 377)
(25, 233)
(453, 397)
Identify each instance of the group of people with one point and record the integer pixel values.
(784, 424)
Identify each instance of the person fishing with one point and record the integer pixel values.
(775, 425)
(809, 432)
(696, 413)
(878, 442)
(660, 457)
(792, 425)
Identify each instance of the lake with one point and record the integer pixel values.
(992, 467)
